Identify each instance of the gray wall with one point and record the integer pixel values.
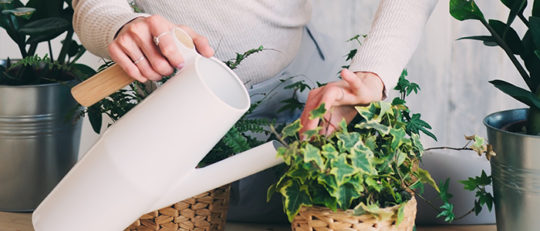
(453, 76)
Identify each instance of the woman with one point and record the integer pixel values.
(142, 45)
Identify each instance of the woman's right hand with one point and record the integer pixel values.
(134, 49)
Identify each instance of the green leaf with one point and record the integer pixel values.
(95, 117)
(487, 39)
(372, 183)
(517, 93)
(318, 113)
(508, 34)
(294, 197)
(443, 191)
(348, 140)
(416, 124)
(425, 178)
(320, 196)
(23, 12)
(329, 182)
(329, 152)
(418, 187)
(292, 129)
(447, 212)
(45, 29)
(361, 158)
(49, 8)
(341, 169)
(367, 112)
(536, 9)
(312, 153)
(534, 28)
(401, 213)
(346, 193)
(398, 137)
(465, 9)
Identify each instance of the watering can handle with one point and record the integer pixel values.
(114, 78)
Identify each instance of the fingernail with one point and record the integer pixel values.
(180, 66)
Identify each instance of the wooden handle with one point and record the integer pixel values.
(101, 85)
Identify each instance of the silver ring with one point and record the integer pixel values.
(156, 38)
(139, 60)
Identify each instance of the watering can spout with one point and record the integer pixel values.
(223, 172)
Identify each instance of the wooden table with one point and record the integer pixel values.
(22, 222)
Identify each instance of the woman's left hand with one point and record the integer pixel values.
(340, 97)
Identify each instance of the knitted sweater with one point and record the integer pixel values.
(238, 25)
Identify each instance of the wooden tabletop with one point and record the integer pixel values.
(22, 222)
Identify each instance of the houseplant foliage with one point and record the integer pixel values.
(369, 164)
(527, 48)
(34, 23)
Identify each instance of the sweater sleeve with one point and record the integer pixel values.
(394, 35)
(96, 22)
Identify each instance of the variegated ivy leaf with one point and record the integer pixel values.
(329, 152)
(398, 136)
(348, 141)
(318, 113)
(372, 183)
(426, 178)
(299, 173)
(374, 209)
(312, 153)
(480, 146)
(328, 181)
(358, 182)
(401, 156)
(311, 133)
(361, 158)
(381, 128)
(401, 213)
(417, 144)
(345, 195)
(368, 112)
(295, 196)
(341, 169)
(386, 108)
(291, 129)
(320, 196)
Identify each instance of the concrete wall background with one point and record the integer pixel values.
(453, 75)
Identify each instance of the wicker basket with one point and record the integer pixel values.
(204, 212)
(320, 218)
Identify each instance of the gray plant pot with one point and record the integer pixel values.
(516, 173)
(39, 142)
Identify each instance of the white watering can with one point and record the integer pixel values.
(147, 160)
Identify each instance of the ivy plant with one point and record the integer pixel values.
(527, 48)
(366, 165)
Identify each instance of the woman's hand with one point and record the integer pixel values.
(340, 97)
(134, 49)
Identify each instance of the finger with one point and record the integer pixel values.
(133, 51)
(118, 56)
(157, 61)
(161, 29)
(200, 42)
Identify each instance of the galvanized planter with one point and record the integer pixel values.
(39, 142)
(516, 173)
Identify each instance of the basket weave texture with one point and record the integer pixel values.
(204, 212)
(321, 218)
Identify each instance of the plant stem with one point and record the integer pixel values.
(429, 203)
(524, 20)
(464, 215)
(447, 148)
(50, 51)
(65, 47)
(510, 55)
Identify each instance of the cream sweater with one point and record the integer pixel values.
(239, 25)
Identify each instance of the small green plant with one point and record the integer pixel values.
(366, 165)
(527, 48)
(31, 24)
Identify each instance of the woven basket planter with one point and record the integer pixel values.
(321, 218)
(204, 212)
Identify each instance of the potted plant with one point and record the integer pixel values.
(514, 134)
(361, 177)
(37, 126)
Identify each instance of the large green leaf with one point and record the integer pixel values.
(95, 117)
(517, 93)
(361, 158)
(536, 8)
(345, 195)
(532, 62)
(426, 178)
(321, 197)
(45, 29)
(465, 9)
(509, 35)
(348, 140)
(341, 169)
(534, 28)
(46, 8)
(294, 197)
(313, 154)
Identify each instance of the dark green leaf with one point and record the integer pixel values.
(509, 35)
(312, 153)
(292, 129)
(345, 195)
(95, 117)
(517, 93)
(534, 28)
(465, 9)
(341, 169)
(487, 39)
(516, 7)
(294, 197)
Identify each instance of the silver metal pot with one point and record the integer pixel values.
(39, 142)
(515, 171)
